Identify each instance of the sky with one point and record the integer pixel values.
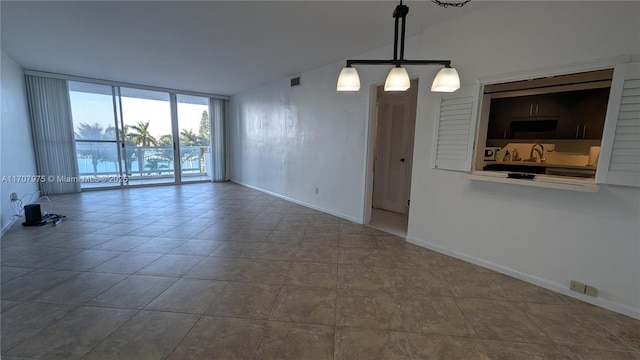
(94, 108)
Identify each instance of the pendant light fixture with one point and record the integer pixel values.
(447, 79)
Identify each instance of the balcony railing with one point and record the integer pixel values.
(100, 160)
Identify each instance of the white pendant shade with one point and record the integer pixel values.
(397, 80)
(348, 79)
(447, 80)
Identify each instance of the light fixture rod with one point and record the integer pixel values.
(404, 11)
(398, 62)
(400, 15)
(395, 34)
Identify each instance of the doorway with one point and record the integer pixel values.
(393, 158)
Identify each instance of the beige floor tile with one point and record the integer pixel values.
(366, 344)
(74, 335)
(217, 268)
(317, 254)
(311, 274)
(598, 354)
(624, 327)
(367, 309)
(253, 236)
(220, 338)
(236, 249)
(135, 292)
(263, 272)
(321, 239)
(430, 346)
(305, 305)
(269, 251)
(285, 237)
(27, 319)
(188, 296)
(362, 257)
(148, 335)
(357, 241)
(244, 300)
(502, 350)
(431, 314)
(499, 320)
(392, 279)
(553, 320)
(287, 341)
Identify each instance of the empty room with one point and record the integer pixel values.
(320, 180)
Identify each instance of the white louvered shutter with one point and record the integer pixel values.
(455, 130)
(620, 157)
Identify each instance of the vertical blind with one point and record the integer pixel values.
(53, 137)
(217, 108)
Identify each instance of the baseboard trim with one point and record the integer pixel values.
(330, 212)
(7, 227)
(549, 285)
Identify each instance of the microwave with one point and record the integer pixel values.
(491, 153)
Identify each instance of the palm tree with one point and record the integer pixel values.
(97, 152)
(141, 135)
(90, 132)
(166, 140)
(189, 138)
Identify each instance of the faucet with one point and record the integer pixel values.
(540, 152)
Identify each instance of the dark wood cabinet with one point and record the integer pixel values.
(499, 119)
(535, 106)
(578, 114)
(593, 111)
(585, 114)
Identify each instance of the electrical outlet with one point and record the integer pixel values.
(591, 291)
(578, 287)
(13, 196)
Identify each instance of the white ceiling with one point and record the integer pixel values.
(217, 47)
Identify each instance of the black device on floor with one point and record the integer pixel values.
(33, 216)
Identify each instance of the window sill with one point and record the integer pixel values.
(540, 181)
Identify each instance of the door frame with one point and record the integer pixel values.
(371, 136)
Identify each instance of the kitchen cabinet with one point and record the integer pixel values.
(593, 111)
(585, 115)
(499, 119)
(535, 106)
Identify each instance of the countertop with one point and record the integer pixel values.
(539, 164)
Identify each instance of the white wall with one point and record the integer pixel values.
(289, 141)
(16, 146)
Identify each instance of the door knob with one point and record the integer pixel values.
(402, 160)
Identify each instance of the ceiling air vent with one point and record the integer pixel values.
(295, 81)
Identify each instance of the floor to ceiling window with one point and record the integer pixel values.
(194, 138)
(130, 136)
(96, 135)
(148, 136)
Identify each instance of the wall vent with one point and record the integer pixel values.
(295, 81)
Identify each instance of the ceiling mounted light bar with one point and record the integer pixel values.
(447, 79)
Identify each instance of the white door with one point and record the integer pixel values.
(394, 150)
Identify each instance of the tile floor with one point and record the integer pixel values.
(390, 222)
(219, 271)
